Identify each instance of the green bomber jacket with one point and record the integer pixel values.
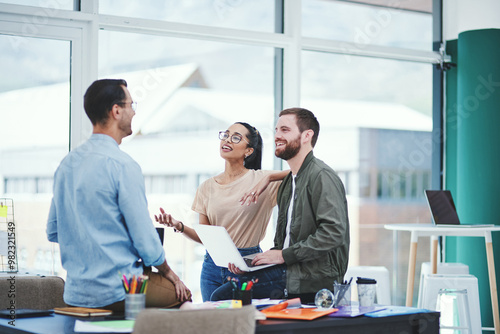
(319, 232)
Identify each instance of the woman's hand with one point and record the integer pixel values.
(235, 270)
(167, 219)
(252, 196)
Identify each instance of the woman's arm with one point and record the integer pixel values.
(253, 195)
(168, 220)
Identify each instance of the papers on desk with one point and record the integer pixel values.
(355, 311)
(395, 310)
(112, 326)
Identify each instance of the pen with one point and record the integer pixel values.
(133, 285)
(249, 285)
(143, 286)
(233, 283)
(244, 286)
(125, 283)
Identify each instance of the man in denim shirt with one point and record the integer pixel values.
(99, 213)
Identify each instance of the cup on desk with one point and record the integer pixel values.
(134, 303)
(366, 291)
(341, 294)
(244, 295)
(244, 291)
(135, 294)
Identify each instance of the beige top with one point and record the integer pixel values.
(246, 224)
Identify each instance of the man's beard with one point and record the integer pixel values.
(126, 127)
(290, 150)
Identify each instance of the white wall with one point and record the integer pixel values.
(464, 15)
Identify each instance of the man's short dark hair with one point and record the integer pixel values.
(305, 121)
(100, 98)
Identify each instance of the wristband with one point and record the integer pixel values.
(182, 228)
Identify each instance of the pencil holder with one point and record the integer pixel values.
(244, 295)
(134, 303)
(341, 295)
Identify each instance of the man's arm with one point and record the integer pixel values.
(272, 256)
(52, 223)
(181, 291)
(133, 206)
(329, 205)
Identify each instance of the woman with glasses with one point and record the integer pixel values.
(219, 202)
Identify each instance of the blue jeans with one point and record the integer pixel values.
(271, 282)
(214, 277)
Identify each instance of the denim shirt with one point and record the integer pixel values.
(99, 217)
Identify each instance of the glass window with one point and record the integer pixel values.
(47, 6)
(366, 25)
(34, 137)
(375, 127)
(249, 15)
(187, 91)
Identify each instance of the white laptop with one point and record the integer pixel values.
(222, 249)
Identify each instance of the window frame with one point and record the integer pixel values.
(81, 27)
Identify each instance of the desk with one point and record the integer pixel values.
(425, 323)
(428, 230)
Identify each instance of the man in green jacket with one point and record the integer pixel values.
(312, 234)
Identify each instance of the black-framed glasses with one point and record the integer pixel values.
(235, 138)
(133, 105)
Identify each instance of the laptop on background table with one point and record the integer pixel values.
(222, 249)
(443, 209)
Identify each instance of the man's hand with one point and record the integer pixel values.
(181, 291)
(272, 256)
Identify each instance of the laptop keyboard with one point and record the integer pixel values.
(249, 262)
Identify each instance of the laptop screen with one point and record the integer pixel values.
(442, 208)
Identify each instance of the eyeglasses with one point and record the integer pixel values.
(133, 105)
(235, 137)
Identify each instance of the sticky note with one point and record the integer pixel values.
(3, 211)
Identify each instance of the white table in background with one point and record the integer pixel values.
(429, 230)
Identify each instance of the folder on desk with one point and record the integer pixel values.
(355, 311)
(297, 313)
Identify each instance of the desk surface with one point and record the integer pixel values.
(425, 323)
(429, 229)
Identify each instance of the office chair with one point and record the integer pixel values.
(219, 321)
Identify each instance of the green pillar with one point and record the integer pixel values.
(451, 138)
(478, 151)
